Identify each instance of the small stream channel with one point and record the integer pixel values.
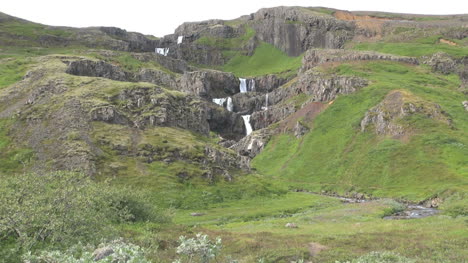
(412, 211)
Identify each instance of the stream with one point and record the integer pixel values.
(412, 211)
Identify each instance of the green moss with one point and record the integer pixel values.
(266, 60)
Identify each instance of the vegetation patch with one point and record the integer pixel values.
(266, 60)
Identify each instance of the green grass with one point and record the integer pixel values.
(337, 156)
(13, 157)
(266, 60)
(420, 47)
(228, 43)
(254, 209)
(12, 70)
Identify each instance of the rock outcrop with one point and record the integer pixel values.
(209, 83)
(315, 57)
(253, 144)
(324, 87)
(295, 30)
(442, 62)
(383, 118)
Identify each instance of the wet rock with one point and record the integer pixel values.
(228, 124)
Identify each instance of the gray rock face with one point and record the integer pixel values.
(315, 57)
(294, 30)
(98, 69)
(209, 83)
(465, 105)
(102, 69)
(156, 107)
(248, 102)
(174, 65)
(223, 159)
(157, 77)
(228, 124)
(263, 119)
(396, 105)
(253, 144)
(326, 87)
(268, 83)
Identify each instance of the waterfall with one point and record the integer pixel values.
(243, 85)
(229, 105)
(220, 101)
(251, 85)
(248, 127)
(266, 101)
(179, 39)
(162, 51)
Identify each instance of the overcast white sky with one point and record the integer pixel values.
(160, 18)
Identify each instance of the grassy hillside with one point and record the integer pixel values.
(337, 156)
(266, 60)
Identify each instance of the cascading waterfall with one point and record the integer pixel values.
(180, 39)
(251, 86)
(248, 127)
(229, 105)
(266, 101)
(243, 85)
(162, 51)
(220, 101)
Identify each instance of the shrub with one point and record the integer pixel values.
(62, 208)
(200, 248)
(113, 252)
(381, 257)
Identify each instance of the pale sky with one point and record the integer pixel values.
(160, 18)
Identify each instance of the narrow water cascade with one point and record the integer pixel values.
(266, 102)
(220, 101)
(243, 85)
(162, 51)
(229, 105)
(180, 39)
(248, 127)
(251, 86)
